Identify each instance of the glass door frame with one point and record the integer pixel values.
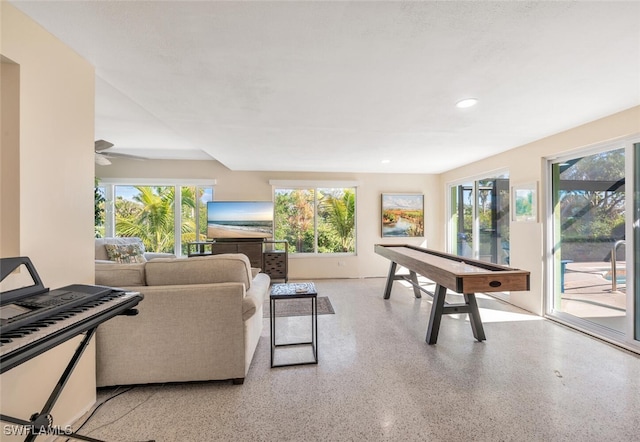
(630, 338)
(451, 228)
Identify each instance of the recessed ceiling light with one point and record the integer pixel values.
(467, 102)
(385, 161)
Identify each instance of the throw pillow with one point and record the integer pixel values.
(125, 253)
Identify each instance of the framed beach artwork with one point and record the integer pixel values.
(524, 202)
(402, 215)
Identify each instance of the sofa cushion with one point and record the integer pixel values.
(120, 275)
(229, 267)
(125, 253)
(101, 251)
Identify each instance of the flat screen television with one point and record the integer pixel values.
(239, 220)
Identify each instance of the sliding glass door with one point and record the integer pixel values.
(635, 233)
(593, 249)
(479, 219)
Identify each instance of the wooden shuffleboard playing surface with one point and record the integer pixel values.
(465, 276)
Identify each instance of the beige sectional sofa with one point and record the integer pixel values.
(201, 319)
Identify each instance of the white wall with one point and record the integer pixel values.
(55, 118)
(255, 186)
(526, 164)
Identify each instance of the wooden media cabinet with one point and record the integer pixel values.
(261, 254)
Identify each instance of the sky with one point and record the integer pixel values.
(240, 211)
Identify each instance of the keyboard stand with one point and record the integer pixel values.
(42, 423)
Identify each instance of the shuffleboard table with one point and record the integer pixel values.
(462, 275)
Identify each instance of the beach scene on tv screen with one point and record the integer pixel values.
(239, 219)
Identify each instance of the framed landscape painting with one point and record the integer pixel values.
(525, 202)
(402, 215)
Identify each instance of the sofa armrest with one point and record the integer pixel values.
(180, 334)
(256, 295)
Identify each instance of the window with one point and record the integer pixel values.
(149, 212)
(194, 214)
(316, 219)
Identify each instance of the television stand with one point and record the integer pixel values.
(262, 254)
(253, 249)
(239, 240)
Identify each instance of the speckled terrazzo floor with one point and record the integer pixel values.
(377, 379)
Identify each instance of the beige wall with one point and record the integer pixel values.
(55, 203)
(56, 150)
(526, 164)
(10, 158)
(255, 186)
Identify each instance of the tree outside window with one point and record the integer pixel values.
(316, 220)
(148, 212)
(194, 214)
(592, 202)
(98, 209)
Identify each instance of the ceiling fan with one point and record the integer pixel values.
(102, 157)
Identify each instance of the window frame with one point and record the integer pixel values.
(109, 184)
(315, 185)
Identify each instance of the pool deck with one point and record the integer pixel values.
(589, 294)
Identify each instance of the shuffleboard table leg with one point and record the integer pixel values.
(474, 316)
(416, 286)
(437, 310)
(390, 279)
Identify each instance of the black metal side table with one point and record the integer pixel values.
(306, 290)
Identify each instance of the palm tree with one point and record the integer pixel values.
(189, 201)
(341, 215)
(153, 217)
(98, 209)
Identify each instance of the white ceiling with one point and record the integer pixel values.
(341, 86)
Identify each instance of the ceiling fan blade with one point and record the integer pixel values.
(122, 155)
(101, 145)
(101, 160)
